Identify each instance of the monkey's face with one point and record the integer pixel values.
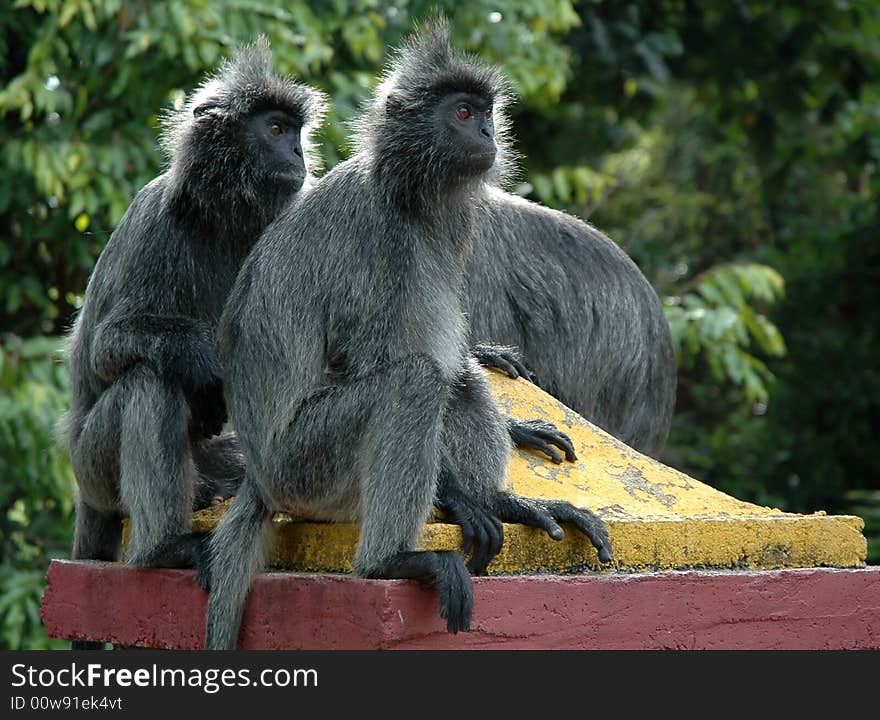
(278, 157)
(467, 132)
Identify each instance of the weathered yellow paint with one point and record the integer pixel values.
(658, 517)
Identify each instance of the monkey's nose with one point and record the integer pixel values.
(486, 132)
(298, 151)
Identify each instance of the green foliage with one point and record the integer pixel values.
(716, 322)
(36, 496)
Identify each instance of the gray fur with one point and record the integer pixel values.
(586, 320)
(344, 344)
(147, 384)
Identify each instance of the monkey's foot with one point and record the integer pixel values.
(541, 435)
(444, 570)
(504, 359)
(191, 550)
(480, 531)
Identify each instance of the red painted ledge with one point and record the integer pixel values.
(778, 609)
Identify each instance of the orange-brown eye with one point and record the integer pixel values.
(276, 130)
(464, 113)
(489, 114)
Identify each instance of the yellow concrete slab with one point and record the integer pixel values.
(658, 517)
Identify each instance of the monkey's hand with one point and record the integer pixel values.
(547, 514)
(481, 532)
(541, 435)
(551, 512)
(503, 358)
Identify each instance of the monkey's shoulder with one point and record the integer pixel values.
(318, 234)
(524, 228)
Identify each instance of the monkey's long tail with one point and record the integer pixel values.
(237, 554)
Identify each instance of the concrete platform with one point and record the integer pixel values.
(779, 609)
(658, 518)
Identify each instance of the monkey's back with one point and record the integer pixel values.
(588, 322)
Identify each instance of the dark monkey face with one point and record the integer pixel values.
(467, 131)
(276, 136)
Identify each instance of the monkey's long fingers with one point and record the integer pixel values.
(586, 521)
(541, 435)
(499, 362)
(560, 439)
(482, 551)
(534, 442)
(457, 513)
(523, 371)
(497, 535)
(493, 531)
(525, 511)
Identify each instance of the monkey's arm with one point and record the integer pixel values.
(480, 531)
(504, 358)
(541, 435)
(179, 349)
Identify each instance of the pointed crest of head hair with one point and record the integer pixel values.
(421, 71)
(243, 85)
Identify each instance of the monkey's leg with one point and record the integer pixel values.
(381, 432)
(157, 475)
(477, 448)
(480, 531)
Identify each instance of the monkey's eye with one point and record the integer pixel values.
(489, 114)
(276, 129)
(463, 113)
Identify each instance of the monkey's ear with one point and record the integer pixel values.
(205, 108)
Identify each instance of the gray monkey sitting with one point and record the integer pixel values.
(345, 349)
(147, 383)
(586, 320)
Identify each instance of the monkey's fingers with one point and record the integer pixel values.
(491, 533)
(498, 362)
(468, 535)
(203, 577)
(540, 435)
(561, 440)
(523, 371)
(586, 521)
(455, 512)
(482, 549)
(537, 443)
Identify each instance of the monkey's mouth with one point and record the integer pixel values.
(481, 161)
(293, 179)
